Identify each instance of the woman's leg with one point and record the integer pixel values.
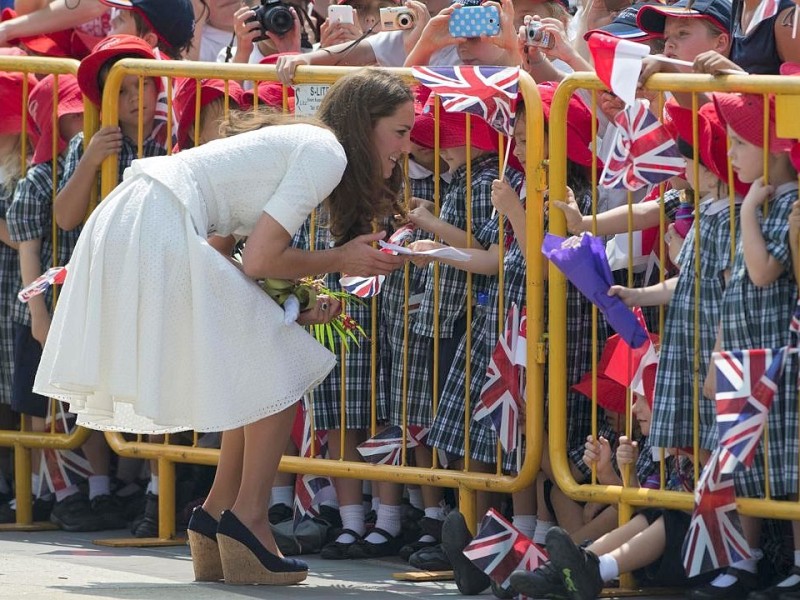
(264, 443)
(228, 477)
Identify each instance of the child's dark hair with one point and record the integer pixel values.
(143, 28)
(687, 151)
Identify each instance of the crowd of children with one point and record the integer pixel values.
(741, 246)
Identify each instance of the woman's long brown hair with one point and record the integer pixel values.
(351, 108)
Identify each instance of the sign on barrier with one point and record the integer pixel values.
(307, 98)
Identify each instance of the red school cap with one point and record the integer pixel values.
(40, 109)
(185, 101)
(579, 125)
(11, 100)
(108, 48)
(713, 147)
(744, 113)
(452, 129)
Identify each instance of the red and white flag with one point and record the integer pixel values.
(618, 63)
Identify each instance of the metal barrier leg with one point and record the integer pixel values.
(467, 505)
(24, 494)
(166, 514)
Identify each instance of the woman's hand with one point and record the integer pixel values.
(627, 451)
(436, 34)
(507, 38)
(324, 311)
(331, 33)
(360, 258)
(415, 202)
(630, 296)
(504, 198)
(572, 213)
(421, 18)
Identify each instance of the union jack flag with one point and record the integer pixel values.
(488, 92)
(309, 492)
(715, 538)
(59, 467)
(363, 287)
(501, 395)
(746, 384)
(499, 549)
(386, 447)
(644, 153)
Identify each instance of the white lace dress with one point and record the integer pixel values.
(155, 331)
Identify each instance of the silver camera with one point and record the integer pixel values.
(539, 37)
(396, 18)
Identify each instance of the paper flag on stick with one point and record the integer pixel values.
(583, 261)
(618, 63)
(53, 276)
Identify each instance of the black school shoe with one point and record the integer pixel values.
(775, 592)
(427, 527)
(338, 550)
(278, 513)
(432, 558)
(74, 513)
(363, 549)
(745, 583)
(578, 568)
(111, 510)
(544, 582)
(41, 510)
(470, 580)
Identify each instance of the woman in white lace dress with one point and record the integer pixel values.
(157, 331)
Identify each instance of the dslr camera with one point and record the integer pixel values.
(274, 16)
(396, 18)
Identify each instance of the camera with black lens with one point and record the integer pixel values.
(274, 16)
(396, 18)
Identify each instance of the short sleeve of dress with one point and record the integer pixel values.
(314, 169)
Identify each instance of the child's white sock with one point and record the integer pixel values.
(353, 519)
(526, 524)
(750, 565)
(540, 533)
(152, 487)
(609, 569)
(66, 492)
(388, 520)
(99, 485)
(415, 498)
(376, 503)
(281, 494)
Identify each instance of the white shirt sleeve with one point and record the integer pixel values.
(314, 168)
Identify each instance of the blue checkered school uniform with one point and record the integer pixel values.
(758, 317)
(673, 410)
(10, 283)
(129, 151)
(30, 217)
(326, 398)
(395, 336)
(447, 432)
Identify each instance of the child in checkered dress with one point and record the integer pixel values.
(12, 154)
(756, 312)
(672, 425)
(29, 221)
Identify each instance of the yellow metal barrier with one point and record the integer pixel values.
(467, 482)
(625, 496)
(24, 441)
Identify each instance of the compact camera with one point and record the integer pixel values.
(539, 37)
(274, 16)
(396, 17)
